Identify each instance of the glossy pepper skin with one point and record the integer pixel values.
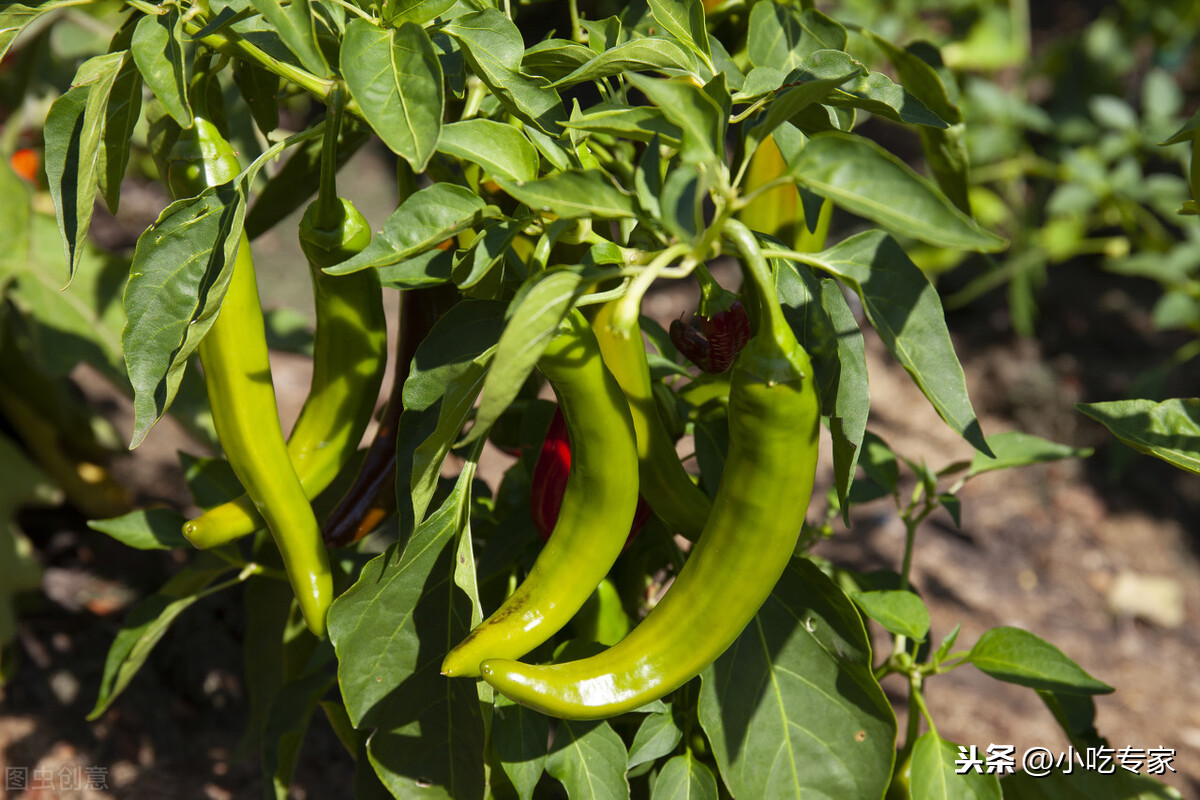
(371, 497)
(242, 396)
(349, 358)
(672, 495)
(745, 547)
(549, 482)
(597, 509)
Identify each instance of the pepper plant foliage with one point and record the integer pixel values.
(541, 169)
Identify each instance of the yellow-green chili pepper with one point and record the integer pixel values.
(597, 508)
(349, 358)
(665, 484)
(745, 547)
(241, 395)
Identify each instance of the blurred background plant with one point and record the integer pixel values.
(1069, 109)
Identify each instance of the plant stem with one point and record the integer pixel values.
(328, 214)
(229, 43)
(577, 33)
(917, 696)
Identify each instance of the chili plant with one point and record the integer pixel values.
(544, 187)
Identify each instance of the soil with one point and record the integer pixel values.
(1099, 556)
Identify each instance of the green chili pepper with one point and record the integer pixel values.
(665, 484)
(349, 357)
(597, 509)
(746, 545)
(242, 396)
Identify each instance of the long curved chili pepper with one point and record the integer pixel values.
(597, 508)
(750, 536)
(665, 484)
(242, 396)
(371, 497)
(550, 475)
(349, 358)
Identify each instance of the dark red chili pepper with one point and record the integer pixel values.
(727, 332)
(714, 347)
(550, 481)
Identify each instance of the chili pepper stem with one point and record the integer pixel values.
(625, 316)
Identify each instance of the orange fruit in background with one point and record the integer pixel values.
(27, 163)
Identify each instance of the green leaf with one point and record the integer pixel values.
(418, 11)
(277, 644)
(534, 321)
(21, 483)
(82, 324)
(1083, 784)
(502, 150)
(879, 463)
(422, 222)
(73, 131)
(684, 19)
(782, 37)
(287, 723)
(810, 82)
(181, 268)
(906, 311)
(1185, 134)
(636, 55)
(445, 373)
(1169, 430)
(792, 709)
(934, 773)
(16, 208)
(657, 736)
(818, 313)
(863, 178)
(685, 778)
(260, 90)
(1015, 449)
(158, 52)
(641, 123)
(521, 738)
(296, 29)
(573, 194)
(13, 20)
(920, 78)
(148, 529)
(486, 253)
(701, 113)
(588, 758)
(146, 624)
(210, 480)
(648, 178)
(391, 630)
(1076, 715)
(429, 268)
(121, 115)
(396, 77)
(494, 47)
(901, 613)
(1016, 656)
(878, 94)
(555, 58)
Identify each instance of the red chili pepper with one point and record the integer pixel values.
(723, 336)
(550, 481)
(727, 332)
